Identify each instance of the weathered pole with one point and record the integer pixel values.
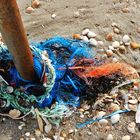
(12, 30)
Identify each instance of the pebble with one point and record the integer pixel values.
(27, 134)
(126, 39)
(134, 45)
(138, 30)
(126, 137)
(93, 42)
(111, 48)
(21, 139)
(85, 31)
(85, 39)
(110, 137)
(91, 34)
(46, 139)
(132, 107)
(37, 132)
(53, 16)
(125, 10)
(70, 131)
(48, 128)
(89, 133)
(109, 53)
(116, 30)
(76, 14)
(131, 127)
(100, 114)
(115, 118)
(109, 37)
(32, 139)
(76, 36)
(82, 116)
(101, 43)
(21, 126)
(133, 101)
(29, 10)
(116, 44)
(114, 107)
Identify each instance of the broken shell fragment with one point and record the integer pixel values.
(76, 36)
(131, 127)
(109, 53)
(127, 137)
(116, 44)
(14, 113)
(115, 118)
(35, 3)
(110, 137)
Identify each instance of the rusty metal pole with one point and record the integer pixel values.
(12, 30)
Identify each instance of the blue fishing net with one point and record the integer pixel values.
(62, 86)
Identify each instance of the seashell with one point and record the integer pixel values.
(103, 121)
(76, 36)
(93, 42)
(111, 48)
(109, 53)
(53, 16)
(132, 107)
(115, 60)
(115, 118)
(109, 37)
(133, 101)
(27, 134)
(85, 39)
(91, 34)
(134, 45)
(114, 24)
(131, 127)
(9, 89)
(126, 39)
(125, 10)
(122, 48)
(116, 30)
(85, 31)
(14, 113)
(35, 3)
(110, 137)
(101, 43)
(100, 114)
(114, 107)
(76, 14)
(48, 128)
(29, 10)
(126, 137)
(116, 44)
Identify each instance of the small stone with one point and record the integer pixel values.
(111, 48)
(64, 134)
(134, 45)
(138, 30)
(131, 127)
(126, 39)
(37, 132)
(89, 133)
(109, 53)
(116, 44)
(93, 42)
(116, 30)
(32, 139)
(133, 101)
(132, 107)
(76, 14)
(14, 113)
(35, 3)
(126, 137)
(114, 107)
(85, 31)
(53, 16)
(77, 36)
(91, 34)
(110, 137)
(46, 139)
(115, 118)
(122, 48)
(86, 107)
(101, 43)
(29, 10)
(21, 139)
(27, 134)
(100, 114)
(82, 116)
(109, 37)
(48, 128)
(81, 110)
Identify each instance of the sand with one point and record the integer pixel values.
(98, 15)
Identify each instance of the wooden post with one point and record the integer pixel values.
(12, 30)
